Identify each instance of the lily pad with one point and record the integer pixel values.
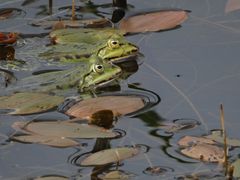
(46, 140)
(119, 105)
(155, 21)
(51, 177)
(117, 175)
(67, 129)
(236, 165)
(190, 140)
(109, 156)
(29, 103)
(205, 152)
(217, 136)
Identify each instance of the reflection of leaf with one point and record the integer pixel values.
(155, 21)
(217, 136)
(232, 5)
(28, 103)
(109, 156)
(85, 108)
(236, 165)
(47, 140)
(66, 129)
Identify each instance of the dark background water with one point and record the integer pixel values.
(193, 69)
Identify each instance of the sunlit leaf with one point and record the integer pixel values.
(236, 165)
(116, 175)
(190, 140)
(109, 156)
(217, 136)
(67, 129)
(119, 105)
(46, 140)
(232, 5)
(155, 21)
(28, 103)
(205, 152)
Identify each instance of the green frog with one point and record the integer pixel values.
(74, 45)
(85, 77)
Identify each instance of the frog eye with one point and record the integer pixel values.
(113, 43)
(98, 68)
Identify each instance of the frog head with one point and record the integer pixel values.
(100, 73)
(117, 49)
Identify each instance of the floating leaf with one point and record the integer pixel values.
(51, 177)
(119, 105)
(46, 140)
(109, 156)
(28, 103)
(232, 5)
(236, 165)
(9, 38)
(190, 140)
(217, 136)
(116, 175)
(155, 21)
(205, 152)
(67, 129)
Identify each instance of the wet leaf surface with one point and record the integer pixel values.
(86, 108)
(67, 129)
(205, 152)
(28, 103)
(191, 140)
(155, 21)
(109, 156)
(59, 142)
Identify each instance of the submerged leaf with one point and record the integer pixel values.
(109, 156)
(47, 140)
(28, 103)
(119, 105)
(155, 21)
(67, 129)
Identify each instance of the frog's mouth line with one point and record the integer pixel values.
(129, 56)
(108, 81)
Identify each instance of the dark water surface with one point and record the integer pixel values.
(193, 69)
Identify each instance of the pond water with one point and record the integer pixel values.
(193, 69)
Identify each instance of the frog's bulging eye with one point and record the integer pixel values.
(113, 43)
(98, 68)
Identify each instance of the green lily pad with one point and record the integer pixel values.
(217, 136)
(29, 103)
(86, 108)
(46, 140)
(236, 165)
(109, 156)
(67, 129)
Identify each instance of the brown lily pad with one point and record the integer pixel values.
(9, 38)
(119, 105)
(29, 103)
(109, 156)
(190, 140)
(205, 152)
(155, 21)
